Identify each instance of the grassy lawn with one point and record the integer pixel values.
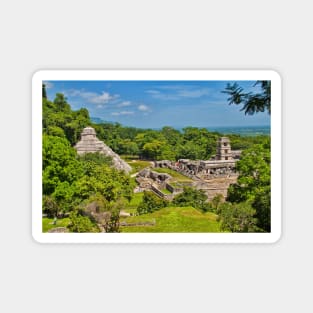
(133, 204)
(138, 165)
(166, 192)
(176, 176)
(168, 220)
(174, 220)
(129, 158)
(47, 223)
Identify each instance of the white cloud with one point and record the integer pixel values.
(122, 113)
(102, 98)
(93, 97)
(143, 107)
(124, 104)
(177, 92)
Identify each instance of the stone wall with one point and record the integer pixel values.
(215, 186)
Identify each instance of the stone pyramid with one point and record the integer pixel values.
(89, 143)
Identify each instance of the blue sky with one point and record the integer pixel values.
(154, 104)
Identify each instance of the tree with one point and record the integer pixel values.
(103, 179)
(254, 174)
(237, 218)
(59, 163)
(252, 102)
(44, 93)
(60, 120)
(126, 146)
(49, 206)
(104, 213)
(55, 131)
(81, 224)
(150, 203)
(112, 223)
(153, 150)
(191, 150)
(63, 195)
(192, 197)
(262, 204)
(254, 183)
(217, 201)
(61, 103)
(171, 135)
(197, 144)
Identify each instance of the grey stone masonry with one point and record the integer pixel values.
(223, 149)
(89, 143)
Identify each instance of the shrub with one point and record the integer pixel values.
(150, 203)
(192, 197)
(81, 224)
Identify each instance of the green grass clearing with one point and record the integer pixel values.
(138, 165)
(131, 207)
(166, 192)
(47, 223)
(128, 157)
(175, 175)
(174, 220)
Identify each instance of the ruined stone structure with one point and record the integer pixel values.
(203, 169)
(89, 143)
(212, 176)
(220, 165)
(215, 186)
(223, 150)
(156, 182)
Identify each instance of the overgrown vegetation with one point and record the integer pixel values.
(71, 183)
(150, 203)
(259, 101)
(92, 193)
(192, 197)
(254, 183)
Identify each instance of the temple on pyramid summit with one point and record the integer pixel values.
(89, 143)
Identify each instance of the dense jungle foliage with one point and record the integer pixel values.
(91, 192)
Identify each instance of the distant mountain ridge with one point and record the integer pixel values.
(98, 120)
(240, 130)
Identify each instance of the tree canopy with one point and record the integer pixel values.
(92, 192)
(192, 197)
(71, 182)
(254, 183)
(253, 102)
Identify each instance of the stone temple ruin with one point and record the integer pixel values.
(212, 176)
(222, 165)
(89, 143)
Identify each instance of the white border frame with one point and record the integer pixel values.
(46, 75)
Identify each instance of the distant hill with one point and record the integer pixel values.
(98, 120)
(243, 130)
